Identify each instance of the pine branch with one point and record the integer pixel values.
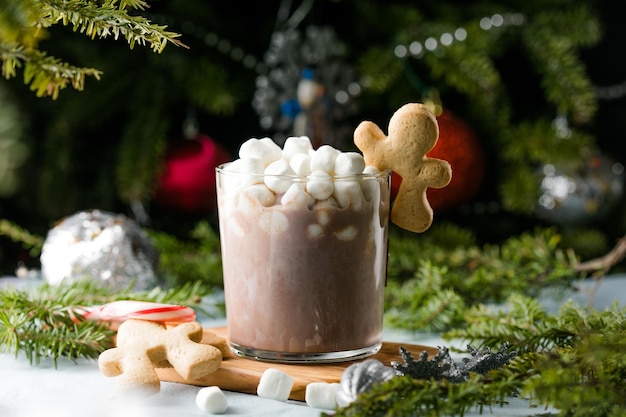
(422, 294)
(108, 20)
(408, 397)
(141, 152)
(382, 68)
(523, 323)
(552, 45)
(470, 69)
(586, 378)
(45, 323)
(423, 302)
(46, 75)
(603, 264)
(197, 259)
(208, 86)
(23, 25)
(45, 328)
(17, 234)
(574, 361)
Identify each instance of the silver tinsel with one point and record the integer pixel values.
(105, 247)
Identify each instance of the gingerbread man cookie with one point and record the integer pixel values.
(413, 131)
(145, 345)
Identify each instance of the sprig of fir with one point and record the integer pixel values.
(25, 23)
(46, 322)
(578, 355)
(433, 280)
(404, 396)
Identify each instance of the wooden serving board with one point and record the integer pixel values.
(243, 375)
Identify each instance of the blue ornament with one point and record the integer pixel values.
(290, 108)
(308, 74)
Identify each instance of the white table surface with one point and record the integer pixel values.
(80, 390)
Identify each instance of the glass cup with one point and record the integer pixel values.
(303, 278)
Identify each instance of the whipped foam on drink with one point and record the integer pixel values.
(304, 241)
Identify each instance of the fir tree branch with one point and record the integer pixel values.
(404, 396)
(107, 20)
(48, 75)
(585, 378)
(17, 234)
(552, 44)
(420, 290)
(45, 323)
(23, 25)
(603, 264)
(574, 361)
(141, 153)
(197, 259)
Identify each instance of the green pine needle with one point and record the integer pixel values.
(45, 323)
(25, 24)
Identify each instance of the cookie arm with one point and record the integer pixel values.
(135, 371)
(191, 359)
(369, 139)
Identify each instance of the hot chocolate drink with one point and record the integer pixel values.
(304, 249)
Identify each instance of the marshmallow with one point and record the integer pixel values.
(326, 203)
(277, 176)
(251, 166)
(229, 180)
(257, 194)
(262, 149)
(314, 231)
(300, 163)
(371, 170)
(234, 166)
(320, 185)
(275, 385)
(273, 222)
(348, 194)
(323, 210)
(212, 400)
(254, 167)
(369, 186)
(349, 163)
(321, 395)
(296, 197)
(347, 233)
(323, 159)
(295, 145)
(274, 151)
(236, 227)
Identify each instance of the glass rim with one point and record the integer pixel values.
(384, 174)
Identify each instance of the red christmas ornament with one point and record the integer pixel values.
(188, 179)
(458, 145)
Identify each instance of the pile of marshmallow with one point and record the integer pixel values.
(274, 385)
(297, 176)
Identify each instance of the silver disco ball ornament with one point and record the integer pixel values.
(582, 196)
(101, 246)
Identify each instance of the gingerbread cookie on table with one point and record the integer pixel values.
(413, 132)
(157, 336)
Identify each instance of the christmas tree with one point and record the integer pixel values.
(528, 95)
